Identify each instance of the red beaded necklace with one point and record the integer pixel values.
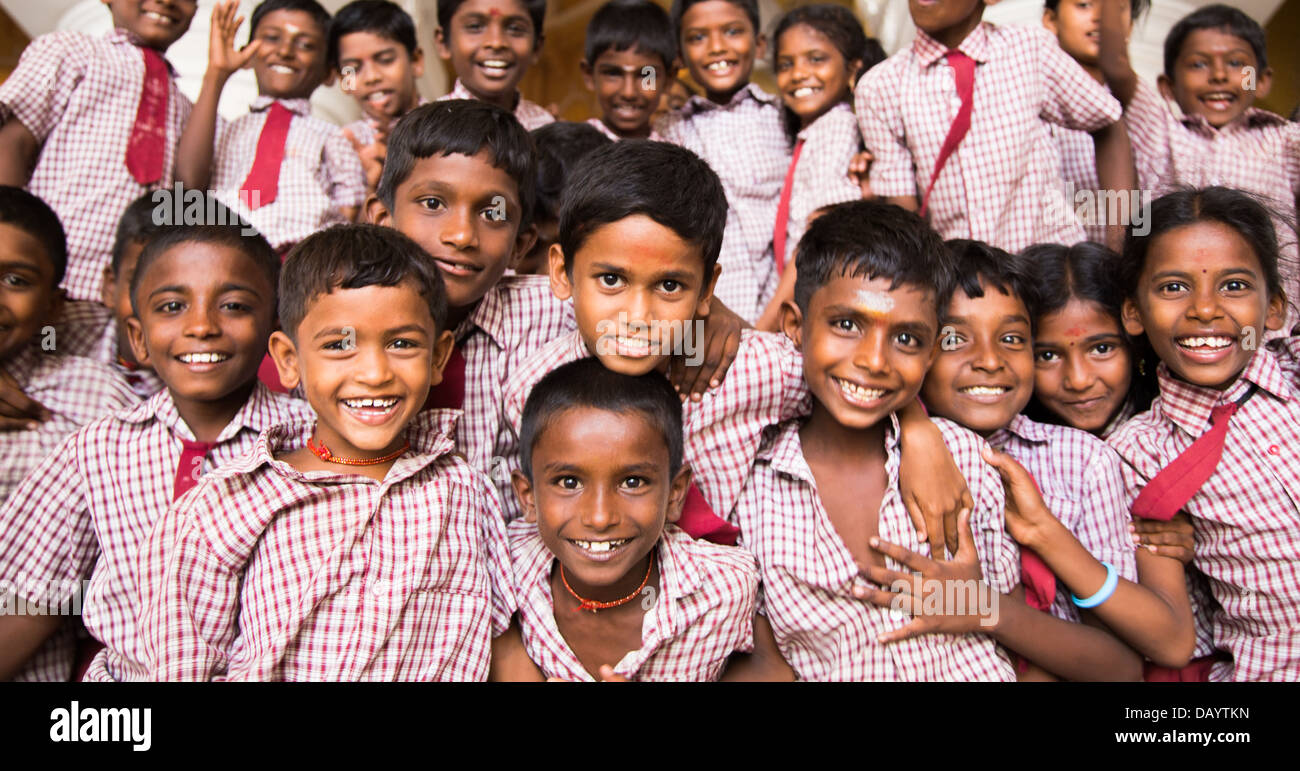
(593, 605)
(322, 452)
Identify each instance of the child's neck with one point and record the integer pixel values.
(507, 101)
(641, 132)
(207, 419)
(953, 36)
(456, 315)
(824, 437)
(725, 97)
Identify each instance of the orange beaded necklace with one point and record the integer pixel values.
(593, 605)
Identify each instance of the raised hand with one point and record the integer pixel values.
(222, 54)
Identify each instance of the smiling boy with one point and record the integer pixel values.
(630, 51)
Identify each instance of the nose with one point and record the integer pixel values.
(869, 355)
(371, 366)
(494, 37)
(986, 357)
(1218, 70)
(458, 230)
(798, 70)
(369, 74)
(201, 321)
(1205, 304)
(1077, 376)
(598, 510)
(716, 45)
(629, 88)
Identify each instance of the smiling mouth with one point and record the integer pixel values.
(804, 91)
(203, 358)
(1205, 344)
(495, 67)
(371, 411)
(599, 547)
(634, 347)
(859, 395)
(721, 68)
(1219, 100)
(158, 18)
(457, 268)
(378, 97)
(281, 69)
(985, 393)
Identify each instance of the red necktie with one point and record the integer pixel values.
(1169, 490)
(699, 521)
(263, 182)
(190, 467)
(783, 211)
(963, 70)
(450, 393)
(144, 148)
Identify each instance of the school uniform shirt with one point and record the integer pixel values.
(1081, 483)
(530, 114)
(364, 130)
(1003, 184)
(320, 174)
(78, 95)
(702, 612)
(88, 329)
(1247, 515)
(1259, 153)
(723, 431)
(822, 176)
(743, 141)
(84, 513)
(808, 574)
(600, 126)
(279, 574)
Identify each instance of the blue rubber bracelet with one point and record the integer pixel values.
(1104, 593)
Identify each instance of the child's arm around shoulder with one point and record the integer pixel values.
(35, 96)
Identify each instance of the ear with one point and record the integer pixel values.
(524, 241)
(705, 303)
(285, 355)
(681, 484)
(760, 46)
(587, 81)
(377, 213)
(1132, 319)
(108, 288)
(561, 286)
(524, 492)
(792, 323)
(1276, 316)
(1263, 84)
(1049, 21)
(1166, 86)
(440, 43)
(135, 333)
(442, 348)
(417, 62)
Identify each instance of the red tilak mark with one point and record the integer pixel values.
(1075, 331)
(493, 12)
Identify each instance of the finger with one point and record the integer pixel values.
(883, 599)
(965, 537)
(245, 56)
(903, 555)
(356, 143)
(729, 353)
(18, 424)
(1172, 552)
(16, 404)
(918, 626)
(1155, 526)
(891, 579)
(918, 519)
(950, 528)
(608, 675)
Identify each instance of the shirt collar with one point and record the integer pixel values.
(299, 107)
(1189, 406)
(784, 450)
(490, 315)
(697, 103)
(1022, 428)
(928, 51)
(825, 121)
(120, 36)
(1253, 118)
(262, 410)
(21, 366)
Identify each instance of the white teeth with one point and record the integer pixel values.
(202, 358)
(985, 390)
(497, 64)
(800, 93)
(599, 546)
(719, 66)
(359, 404)
(283, 70)
(1205, 342)
(634, 342)
(858, 392)
(158, 17)
(378, 96)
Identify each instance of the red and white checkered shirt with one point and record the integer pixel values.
(1079, 169)
(1259, 152)
(822, 176)
(808, 574)
(364, 130)
(1003, 184)
(319, 176)
(702, 612)
(1247, 515)
(745, 143)
(88, 329)
(78, 95)
(723, 431)
(1081, 483)
(600, 126)
(277, 574)
(530, 114)
(87, 509)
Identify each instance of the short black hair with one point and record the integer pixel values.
(980, 265)
(137, 225)
(237, 235)
(838, 25)
(638, 25)
(669, 184)
(560, 145)
(310, 7)
(750, 7)
(1218, 16)
(378, 17)
(871, 239)
(1136, 7)
(352, 257)
(588, 383)
(34, 217)
(460, 127)
(536, 11)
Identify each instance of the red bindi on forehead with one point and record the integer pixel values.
(493, 12)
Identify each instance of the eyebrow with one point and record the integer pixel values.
(32, 266)
(1038, 343)
(680, 276)
(1186, 274)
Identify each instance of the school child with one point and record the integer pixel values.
(89, 124)
(1219, 442)
(820, 52)
(735, 127)
(559, 147)
(956, 124)
(255, 574)
(204, 306)
(1215, 68)
(1068, 511)
(287, 173)
(374, 53)
(630, 57)
(602, 482)
(490, 45)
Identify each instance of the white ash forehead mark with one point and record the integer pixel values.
(875, 302)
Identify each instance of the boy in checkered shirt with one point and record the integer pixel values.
(964, 141)
(608, 587)
(286, 172)
(357, 545)
(204, 306)
(629, 52)
(91, 123)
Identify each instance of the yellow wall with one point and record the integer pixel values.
(1284, 58)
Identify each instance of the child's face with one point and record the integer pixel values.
(637, 288)
(1082, 365)
(291, 64)
(1203, 303)
(116, 295)
(984, 373)
(465, 212)
(379, 74)
(600, 496)
(811, 73)
(1216, 76)
(866, 347)
(944, 19)
(28, 296)
(490, 45)
(627, 85)
(365, 374)
(205, 312)
(157, 23)
(1077, 26)
(719, 44)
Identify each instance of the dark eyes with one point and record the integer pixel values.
(671, 286)
(432, 204)
(635, 483)
(169, 307)
(15, 280)
(609, 280)
(568, 483)
(1047, 357)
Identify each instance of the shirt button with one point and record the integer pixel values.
(1274, 450)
